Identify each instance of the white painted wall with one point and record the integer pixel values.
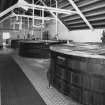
(78, 36)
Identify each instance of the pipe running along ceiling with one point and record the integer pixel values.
(90, 13)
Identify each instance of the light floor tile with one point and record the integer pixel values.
(36, 70)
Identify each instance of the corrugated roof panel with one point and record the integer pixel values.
(5, 4)
(93, 10)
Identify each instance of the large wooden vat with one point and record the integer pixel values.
(82, 77)
(36, 49)
(15, 43)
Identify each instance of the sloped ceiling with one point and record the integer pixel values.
(5, 4)
(93, 10)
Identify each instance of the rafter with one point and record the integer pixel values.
(37, 2)
(81, 14)
(7, 17)
(54, 14)
(46, 8)
(8, 10)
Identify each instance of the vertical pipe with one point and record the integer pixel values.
(42, 25)
(56, 21)
(42, 17)
(50, 3)
(14, 23)
(16, 18)
(33, 19)
(33, 13)
(28, 23)
(41, 32)
(13, 26)
(20, 23)
(11, 22)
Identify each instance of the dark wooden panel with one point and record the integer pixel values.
(78, 77)
(36, 49)
(15, 43)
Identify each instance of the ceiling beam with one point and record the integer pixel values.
(5, 18)
(81, 14)
(46, 8)
(8, 10)
(37, 2)
(12, 7)
(24, 2)
(54, 15)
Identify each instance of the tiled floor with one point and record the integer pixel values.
(0, 92)
(36, 69)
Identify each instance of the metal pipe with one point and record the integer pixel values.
(42, 25)
(54, 15)
(52, 9)
(56, 20)
(42, 17)
(20, 23)
(28, 22)
(5, 18)
(37, 2)
(35, 17)
(33, 12)
(8, 10)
